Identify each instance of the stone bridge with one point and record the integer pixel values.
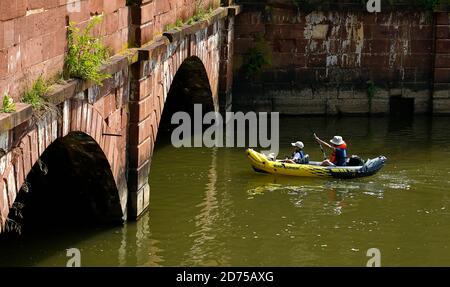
(87, 156)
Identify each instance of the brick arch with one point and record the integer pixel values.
(203, 44)
(109, 135)
(76, 116)
(161, 98)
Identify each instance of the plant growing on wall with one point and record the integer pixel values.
(309, 5)
(200, 12)
(176, 26)
(257, 58)
(8, 104)
(34, 96)
(370, 92)
(86, 53)
(429, 5)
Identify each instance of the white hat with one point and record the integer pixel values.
(298, 144)
(337, 140)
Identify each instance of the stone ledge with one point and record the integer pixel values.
(159, 44)
(186, 30)
(22, 114)
(234, 10)
(154, 48)
(62, 92)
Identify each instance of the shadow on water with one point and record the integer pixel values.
(62, 199)
(46, 246)
(209, 208)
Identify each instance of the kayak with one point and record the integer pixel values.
(261, 163)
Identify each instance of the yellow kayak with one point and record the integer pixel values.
(261, 163)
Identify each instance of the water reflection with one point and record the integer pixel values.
(205, 220)
(137, 246)
(208, 207)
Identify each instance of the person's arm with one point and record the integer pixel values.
(323, 142)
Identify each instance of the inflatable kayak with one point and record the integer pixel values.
(261, 163)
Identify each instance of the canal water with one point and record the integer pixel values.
(209, 208)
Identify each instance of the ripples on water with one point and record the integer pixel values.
(209, 208)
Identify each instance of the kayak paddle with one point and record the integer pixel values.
(321, 148)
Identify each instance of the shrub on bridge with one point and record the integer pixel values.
(8, 104)
(86, 53)
(34, 95)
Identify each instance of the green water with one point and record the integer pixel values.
(209, 208)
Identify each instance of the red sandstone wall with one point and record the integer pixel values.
(339, 47)
(33, 36)
(441, 100)
(151, 17)
(33, 32)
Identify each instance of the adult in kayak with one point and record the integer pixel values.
(298, 156)
(339, 151)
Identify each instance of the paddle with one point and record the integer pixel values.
(321, 148)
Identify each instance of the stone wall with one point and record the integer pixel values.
(152, 78)
(99, 112)
(441, 97)
(122, 114)
(33, 36)
(150, 18)
(326, 62)
(33, 32)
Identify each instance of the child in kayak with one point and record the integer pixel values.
(298, 156)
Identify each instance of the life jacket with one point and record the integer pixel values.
(339, 155)
(302, 154)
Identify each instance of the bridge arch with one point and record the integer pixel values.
(175, 84)
(191, 85)
(77, 132)
(71, 184)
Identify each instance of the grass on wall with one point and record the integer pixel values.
(257, 58)
(34, 96)
(86, 53)
(8, 105)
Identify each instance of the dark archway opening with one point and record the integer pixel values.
(400, 107)
(71, 186)
(190, 86)
(401, 113)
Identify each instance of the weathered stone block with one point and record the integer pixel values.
(395, 92)
(353, 106)
(141, 153)
(379, 106)
(297, 106)
(441, 106)
(139, 201)
(138, 177)
(360, 95)
(325, 93)
(421, 106)
(346, 94)
(9, 121)
(418, 95)
(141, 131)
(444, 94)
(381, 93)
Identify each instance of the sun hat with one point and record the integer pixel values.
(337, 140)
(298, 144)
